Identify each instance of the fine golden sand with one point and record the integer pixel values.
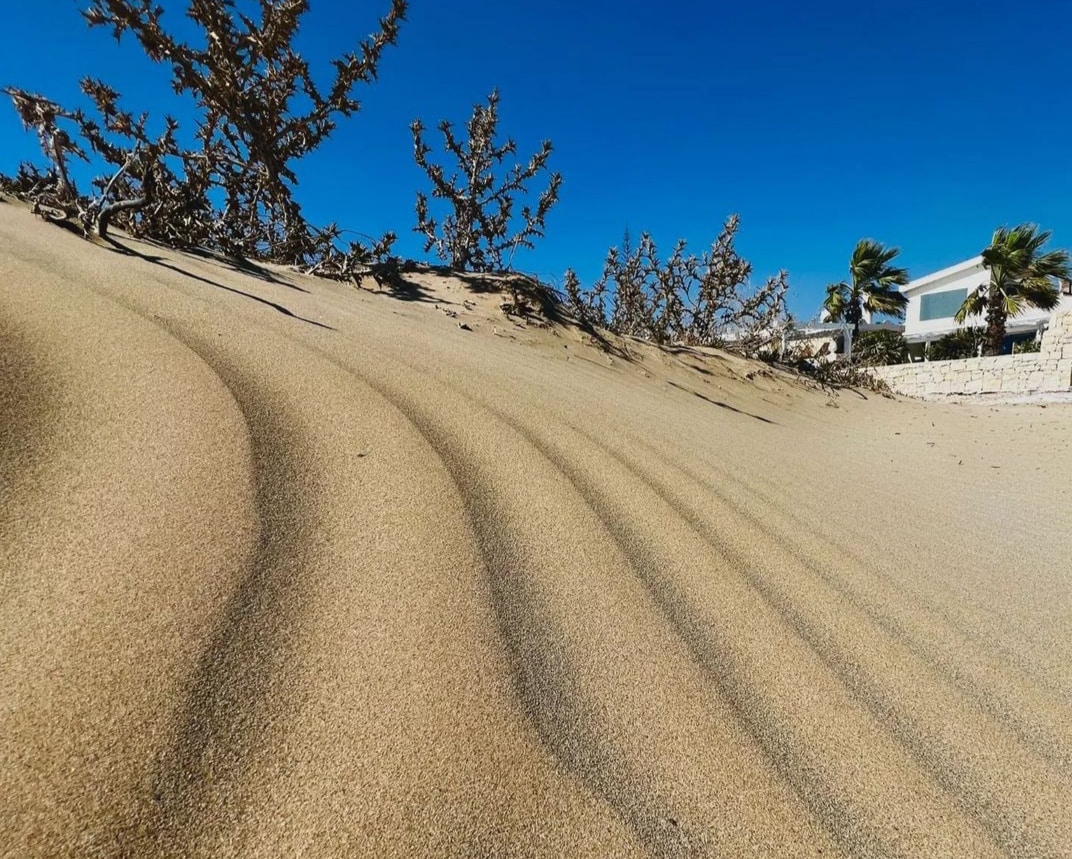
(292, 569)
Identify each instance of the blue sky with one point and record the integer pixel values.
(921, 124)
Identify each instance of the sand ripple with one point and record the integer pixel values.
(289, 569)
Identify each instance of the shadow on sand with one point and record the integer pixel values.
(721, 404)
(235, 265)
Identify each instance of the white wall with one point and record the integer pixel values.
(1049, 370)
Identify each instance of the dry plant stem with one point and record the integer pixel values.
(481, 226)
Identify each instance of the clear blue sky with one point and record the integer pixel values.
(921, 124)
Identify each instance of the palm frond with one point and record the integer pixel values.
(974, 305)
(882, 299)
(837, 301)
(871, 264)
(1013, 304)
(1054, 264)
(1020, 272)
(1039, 292)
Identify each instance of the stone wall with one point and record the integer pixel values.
(1048, 370)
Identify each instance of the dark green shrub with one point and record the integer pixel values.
(965, 343)
(879, 348)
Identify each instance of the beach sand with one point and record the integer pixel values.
(293, 569)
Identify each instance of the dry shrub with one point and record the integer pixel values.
(258, 111)
(704, 300)
(481, 226)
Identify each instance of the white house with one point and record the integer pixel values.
(933, 301)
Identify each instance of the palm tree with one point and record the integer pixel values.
(1021, 276)
(872, 288)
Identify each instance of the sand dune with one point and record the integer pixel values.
(293, 569)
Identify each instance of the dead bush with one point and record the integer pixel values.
(481, 226)
(704, 300)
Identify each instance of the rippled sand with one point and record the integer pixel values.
(289, 569)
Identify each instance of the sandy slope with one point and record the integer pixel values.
(289, 569)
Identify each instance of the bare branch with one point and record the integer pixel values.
(480, 226)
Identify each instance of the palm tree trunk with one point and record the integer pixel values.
(995, 325)
(855, 314)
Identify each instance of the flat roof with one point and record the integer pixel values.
(959, 268)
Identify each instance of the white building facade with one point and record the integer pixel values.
(934, 300)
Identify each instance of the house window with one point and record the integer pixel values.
(941, 305)
(1066, 287)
